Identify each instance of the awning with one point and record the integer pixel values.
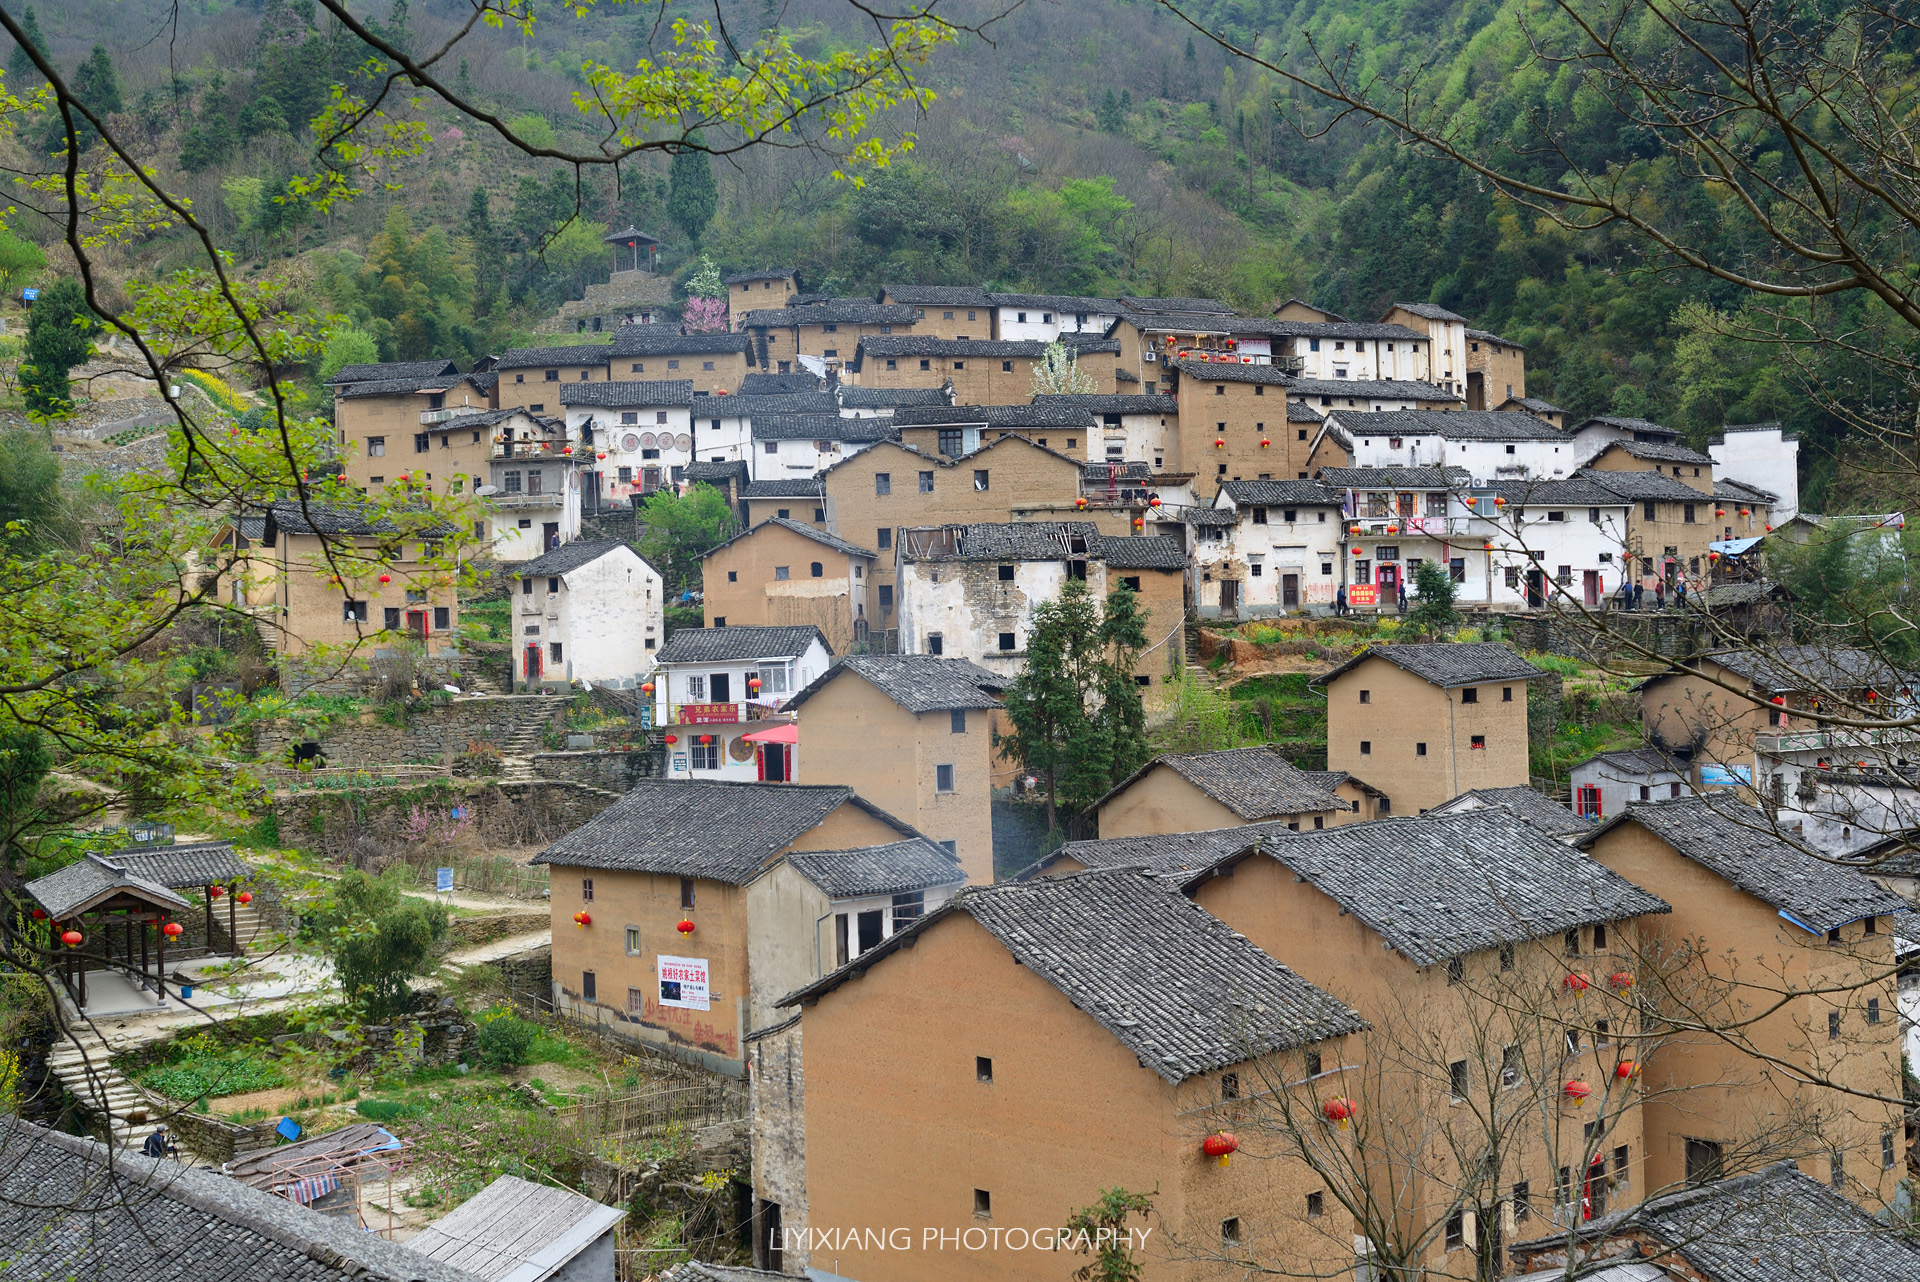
(788, 733)
(1732, 547)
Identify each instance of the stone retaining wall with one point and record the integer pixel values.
(350, 827)
(469, 932)
(617, 769)
(433, 733)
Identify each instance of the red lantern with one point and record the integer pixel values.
(173, 930)
(1220, 1144)
(582, 920)
(646, 688)
(386, 578)
(673, 738)
(1265, 441)
(1358, 550)
(1339, 1109)
(1499, 501)
(71, 939)
(706, 738)
(1393, 529)
(1625, 1069)
(1769, 529)
(1154, 502)
(1578, 983)
(1219, 442)
(39, 914)
(686, 926)
(567, 450)
(1080, 504)
(1354, 530)
(1139, 523)
(602, 454)
(1576, 1093)
(753, 685)
(1487, 546)
(404, 478)
(245, 896)
(1780, 699)
(1621, 980)
(1471, 500)
(214, 892)
(1746, 511)
(1719, 511)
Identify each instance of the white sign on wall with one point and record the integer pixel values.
(683, 982)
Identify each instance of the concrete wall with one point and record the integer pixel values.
(531, 389)
(1280, 547)
(1700, 1086)
(1403, 712)
(613, 769)
(1681, 709)
(311, 606)
(1501, 370)
(709, 372)
(784, 916)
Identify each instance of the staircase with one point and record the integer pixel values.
(525, 739)
(247, 922)
(80, 1061)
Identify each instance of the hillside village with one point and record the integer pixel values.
(1493, 895)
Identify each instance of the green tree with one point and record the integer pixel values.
(262, 115)
(20, 67)
(59, 336)
(347, 347)
(692, 194)
(1107, 114)
(378, 939)
(1078, 723)
(681, 528)
(20, 260)
(25, 763)
(210, 140)
(1433, 612)
(1101, 1230)
(30, 490)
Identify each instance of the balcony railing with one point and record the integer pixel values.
(1839, 740)
(441, 416)
(525, 502)
(564, 451)
(1375, 527)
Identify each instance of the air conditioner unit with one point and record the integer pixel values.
(1151, 356)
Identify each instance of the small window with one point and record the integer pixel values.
(686, 892)
(983, 1069)
(633, 941)
(781, 573)
(943, 778)
(733, 576)
(1313, 1063)
(1522, 1202)
(1573, 942)
(1419, 749)
(936, 643)
(1886, 1150)
(586, 889)
(1599, 937)
(1506, 957)
(1366, 747)
(588, 989)
(1837, 1176)
(353, 611)
(1470, 695)
(1873, 1010)
(1230, 1231)
(1833, 1025)
(1229, 1086)
(883, 539)
(983, 1204)
(1506, 694)
(1510, 1066)
(958, 722)
(882, 483)
(1456, 969)
(1478, 741)
(926, 482)
(815, 570)
(1457, 1222)
(1366, 696)
(442, 618)
(1457, 1079)
(980, 478)
(1006, 574)
(1006, 641)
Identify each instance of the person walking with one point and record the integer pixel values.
(1659, 594)
(1680, 592)
(1340, 603)
(1401, 589)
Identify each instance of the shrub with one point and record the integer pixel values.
(505, 1040)
(385, 1110)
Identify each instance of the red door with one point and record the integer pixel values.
(417, 624)
(533, 662)
(1590, 586)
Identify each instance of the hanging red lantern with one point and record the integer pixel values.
(1358, 550)
(1769, 529)
(39, 914)
(1578, 983)
(173, 930)
(646, 688)
(686, 926)
(1219, 442)
(214, 892)
(567, 449)
(404, 478)
(673, 738)
(583, 920)
(753, 685)
(1746, 511)
(1487, 547)
(1339, 1109)
(1621, 980)
(1576, 1093)
(602, 454)
(1080, 504)
(1354, 530)
(1498, 501)
(1220, 1144)
(1719, 511)
(71, 939)
(1471, 500)
(706, 738)
(1139, 523)
(1393, 529)
(1265, 441)
(1154, 502)
(386, 578)
(1625, 1069)
(245, 896)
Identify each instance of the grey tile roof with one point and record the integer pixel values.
(901, 866)
(1532, 404)
(534, 357)
(1627, 424)
(718, 472)
(408, 386)
(917, 682)
(659, 391)
(834, 311)
(880, 398)
(1176, 986)
(1660, 452)
(1233, 372)
(393, 370)
(513, 1230)
(882, 346)
(777, 384)
(569, 557)
(1488, 336)
(1210, 516)
(1741, 492)
(1048, 411)
(765, 273)
(712, 828)
(756, 406)
(1405, 389)
(1282, 493)
(1811, 667)
(1254, 783)
(1453, 425)
(1640, 761)
(1578, 491)
(1638, 487)
(1144, 552)
(821, 537)
(1541, 811)
(1301, 412)
(1441, 886)
(185, 866)
(1070, 303)
(68, 1212)
(1167, 854)
(1115, 403)
(665, 340)
(1432, 311)
(1398, 478)
(936, 295)
(1009, 541)
(719, 645)
(331, 518)
(1096, 476)
(1446, 663)
(786, 487)
(1773, 1225)
(478, 418)
(1344, 329)
(823, 427)
(700, 1271)
(1194, 322)
(1739, 844)
(93, 877)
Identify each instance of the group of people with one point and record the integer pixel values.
(1633, 595)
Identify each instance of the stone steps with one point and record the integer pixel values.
(83, 1065)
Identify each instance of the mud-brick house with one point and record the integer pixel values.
(1190, 791)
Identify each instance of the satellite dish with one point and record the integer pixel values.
(483, 490)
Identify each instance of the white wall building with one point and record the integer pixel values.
(1264, 548)
(534, 476)
(1129, 428)
(1763, 456)
(1490, 444)
(797, 445)
(644, 431)
(1604, 785)
(593, 611)
(1446, 334)
(1047, 316)
(1373, 395)
(1592, 436)
(1353, 350)
(715, 686)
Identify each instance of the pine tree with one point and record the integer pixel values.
(692, 195)
(1107, 114)
(96, 83)
(1434, 611)
(59, 336)
(19, 65)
